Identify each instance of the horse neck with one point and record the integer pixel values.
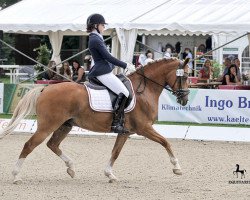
(157, 72)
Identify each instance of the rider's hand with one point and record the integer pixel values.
(129, 69)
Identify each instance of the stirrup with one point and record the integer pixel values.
(119, 129)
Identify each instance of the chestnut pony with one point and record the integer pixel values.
(60, 106)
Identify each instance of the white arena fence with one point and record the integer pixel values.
(168, 131)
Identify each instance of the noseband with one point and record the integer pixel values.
(181, 78)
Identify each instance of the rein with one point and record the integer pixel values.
(164, 87)
(145, 83)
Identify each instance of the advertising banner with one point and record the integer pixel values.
(1, 97)
(9, 90)
(207, 106)
(20, 91)
(25, 125)
(13, 94)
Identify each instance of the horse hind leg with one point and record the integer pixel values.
(30, 145)
(58, 136)
(120, 141)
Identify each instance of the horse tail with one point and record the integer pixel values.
(25, 107)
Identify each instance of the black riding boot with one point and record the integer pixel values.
(118, 117)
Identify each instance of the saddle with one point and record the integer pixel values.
(102, 99)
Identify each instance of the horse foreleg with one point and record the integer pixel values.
(151, 134)
(54, 142)
(120, 141)
(29, 146)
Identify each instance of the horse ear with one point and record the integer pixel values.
(185, 62)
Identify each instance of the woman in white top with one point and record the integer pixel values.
(149, 58)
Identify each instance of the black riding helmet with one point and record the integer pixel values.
(95, 19)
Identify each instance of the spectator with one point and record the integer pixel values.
(87, 61)
(230, 78)
(227, 64)
(149, 57)
(49, 74)
(206, 71)
(78, 72)
(142, 59)
(190, 64)
(168, 53)
(202, 48)
(65, 70)
(236, 61)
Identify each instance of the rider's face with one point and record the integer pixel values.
(101, 28)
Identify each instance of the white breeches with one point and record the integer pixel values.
(113, 83)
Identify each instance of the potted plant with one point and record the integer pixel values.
(43, 58)
(217, 69)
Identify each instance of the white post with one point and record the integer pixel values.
(195, 61)
(248, 44)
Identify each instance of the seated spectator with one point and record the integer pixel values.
(206, 71)
(149, 56)
(190, 63)
(236, 61)
(142, 59)
(168, 53)
(87, 61)
(227, 63)
(201, 48)
(78, 72)
(49, 74)
(230, 78)
(65, 70)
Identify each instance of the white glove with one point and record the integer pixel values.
(129, 69)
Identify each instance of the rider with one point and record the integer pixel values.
(102, 69)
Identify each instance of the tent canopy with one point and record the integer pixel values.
(128, 17)
(160, 16)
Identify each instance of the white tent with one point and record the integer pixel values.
(63, 17)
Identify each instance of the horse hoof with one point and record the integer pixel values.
(113, 181)
(17, 182)
(111, 177)
(71, 172)
(177, 171)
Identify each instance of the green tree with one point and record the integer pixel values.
(5, 52)
(217, 67)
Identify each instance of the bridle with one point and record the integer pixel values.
(181, 78)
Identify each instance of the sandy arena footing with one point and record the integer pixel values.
(143, 169)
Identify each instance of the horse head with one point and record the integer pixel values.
(178, 82)
(167, 73)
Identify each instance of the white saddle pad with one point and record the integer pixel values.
(100, 101)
